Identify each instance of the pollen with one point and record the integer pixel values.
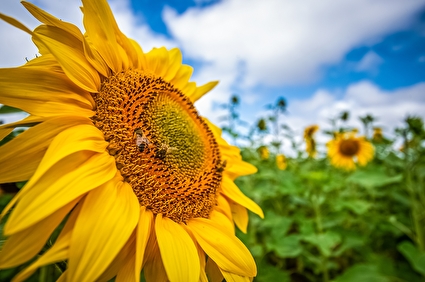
(162, 147)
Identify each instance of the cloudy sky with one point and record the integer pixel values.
(323, 57)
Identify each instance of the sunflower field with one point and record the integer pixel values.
(113, 175)
(352, 212)
(355, 212)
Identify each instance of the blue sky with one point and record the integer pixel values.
(366, 56)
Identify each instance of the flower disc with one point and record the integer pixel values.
(162, 147)
(349, 147)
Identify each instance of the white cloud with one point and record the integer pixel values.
(284, 42)
(362, 98)
(369, 63)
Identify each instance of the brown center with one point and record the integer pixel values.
(349, 147)
(162, 147)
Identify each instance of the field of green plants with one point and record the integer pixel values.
(328, 224)
(324, 223)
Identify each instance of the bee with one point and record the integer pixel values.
(141, 140)
(163, 150)
(222, 166)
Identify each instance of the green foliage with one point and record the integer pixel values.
(325, 224)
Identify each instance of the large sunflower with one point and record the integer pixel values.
(345, 148)
(117, 150)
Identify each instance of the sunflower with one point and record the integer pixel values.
(263, 152)
(377, 135)
(281, 162)
(117, 152)
(346, 147)
(310, 141)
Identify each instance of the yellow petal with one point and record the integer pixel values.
(67, 180)
(232, 191)
(223, 206)
(175, 62)
(127, 271)
(69, 52)
(144, 229)
(157, 61)
(225, 223)
(182, 77)
(84, 139)
(94, 58)
(213, 272)
(202, 90)
(128, 263)
(24, 245)
(202, 259)
(141, 59)
(60, 95)
(48, 19)
(189, 89)
(59, 250)
(63, 277)
(236, 168)
(7, 128)
(227, 251)
(20, 157)
(124, 261)
(15, 23)
(178, 252)
(240, 216)
(107, 219)
(154, 268)
(230, 277)
(100, 26)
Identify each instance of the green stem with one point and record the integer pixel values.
(416, 214)
(416, 205)
(318, 217)
(43, 273)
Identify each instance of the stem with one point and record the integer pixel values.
(416, 206)
(318, 217)
(43, 273)
(416, 212)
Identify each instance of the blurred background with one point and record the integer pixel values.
(323, 57)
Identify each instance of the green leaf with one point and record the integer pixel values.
(267, 273)
(362, 272)
(413, 255)
(357, 206)
(288, 246)
(350, 241)
(325, 242)
(373, 178)
(9, 110)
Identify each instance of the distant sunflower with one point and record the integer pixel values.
(281, 162)
(377, 135)
(346, 148)
(310, 141)
(264, 153)
(117, 148)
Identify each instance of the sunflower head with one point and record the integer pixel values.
(377, 135)
(117, 144)
(281, 162)
(263, 152)
(310, 141)
(346, 149)
(309, 131)
(262, 125)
